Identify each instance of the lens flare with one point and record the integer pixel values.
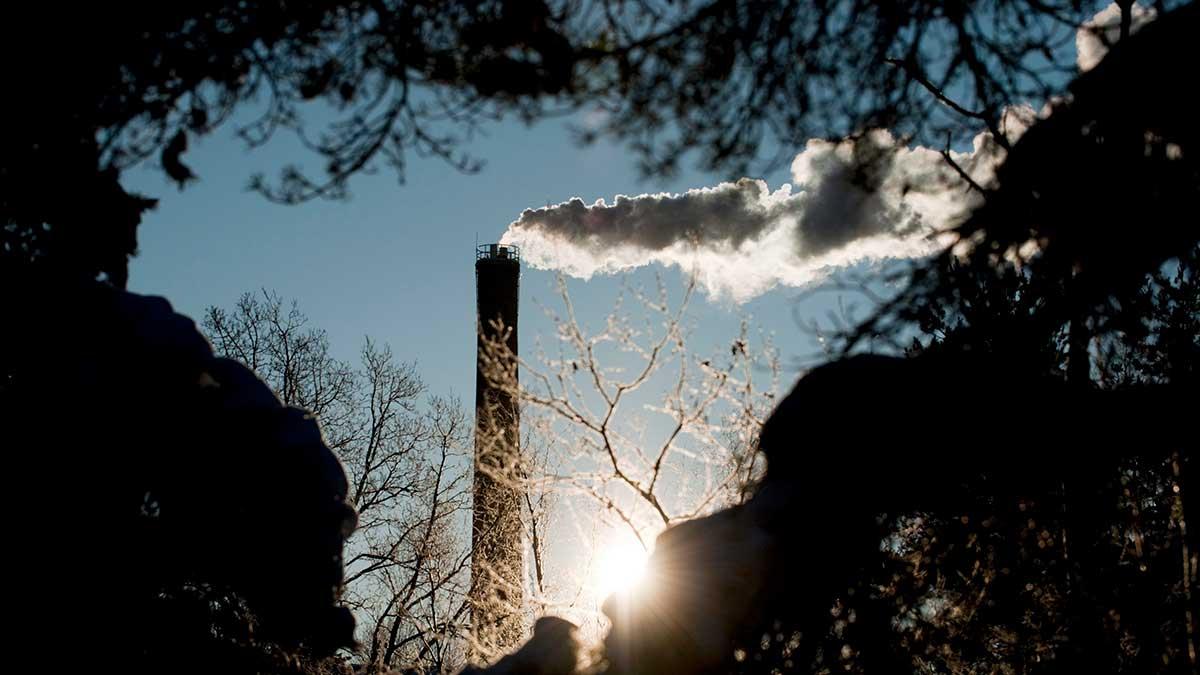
(619, 567)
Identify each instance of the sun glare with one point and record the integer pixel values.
(619, 567)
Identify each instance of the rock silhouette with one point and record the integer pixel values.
(186, 517)
(857, 439)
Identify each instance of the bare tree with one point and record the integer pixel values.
(407, 563)
(637, 431)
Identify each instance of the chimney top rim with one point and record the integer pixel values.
(498, 252)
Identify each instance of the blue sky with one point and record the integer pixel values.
(395, 262)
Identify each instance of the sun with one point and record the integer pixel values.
(619, 567)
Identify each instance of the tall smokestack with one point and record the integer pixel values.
(497, 564)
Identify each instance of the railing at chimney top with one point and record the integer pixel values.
(498, 252)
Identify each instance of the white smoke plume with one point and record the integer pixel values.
(1103, 30)
(855, 200)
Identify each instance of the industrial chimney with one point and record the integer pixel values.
(497, 563)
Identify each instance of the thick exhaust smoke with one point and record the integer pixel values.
(857, 200)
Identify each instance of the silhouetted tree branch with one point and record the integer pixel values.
(407, 565)
(720, 78)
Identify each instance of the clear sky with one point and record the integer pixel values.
(395, 262)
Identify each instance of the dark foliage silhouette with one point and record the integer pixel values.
(752, 588)
(1101, 193)
(111, 87)
(1012, 496)
(181, 517)
(200, 523)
